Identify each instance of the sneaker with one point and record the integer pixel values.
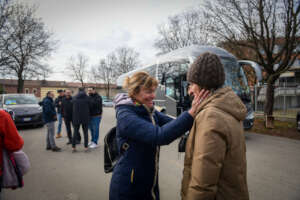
(48, 148)
(86, 150)
(94, 145)
(56, 149)
(90, 143)
(74, 150)
(58, 135)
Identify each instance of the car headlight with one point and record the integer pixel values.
(11, 112)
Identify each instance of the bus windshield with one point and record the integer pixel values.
(235, 77)
(176, 72)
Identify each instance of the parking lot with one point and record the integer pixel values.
(273, 169)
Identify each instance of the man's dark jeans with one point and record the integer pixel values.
(69, 131)
(76, 134)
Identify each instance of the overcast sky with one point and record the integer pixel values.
(97, 27)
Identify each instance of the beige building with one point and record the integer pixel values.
(40, 88)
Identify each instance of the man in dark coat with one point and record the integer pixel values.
(81, 116)
(96, 112)
(67, 114)
(49, 117)
(58, 102)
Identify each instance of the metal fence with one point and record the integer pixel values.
(286, 99)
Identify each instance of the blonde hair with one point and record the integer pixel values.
(139, 79)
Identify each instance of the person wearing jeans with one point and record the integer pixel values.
(96, 112)
(58, 105)
(94, 126)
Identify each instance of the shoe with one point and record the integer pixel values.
(56, 149)
(74, 150)
(94, 145)
(90, 143)
(86, 150)
(58, 135)
(48, 148)
(69, 143)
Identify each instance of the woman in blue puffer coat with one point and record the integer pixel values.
(140, 131)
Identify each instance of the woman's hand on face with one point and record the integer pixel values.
(197, 101)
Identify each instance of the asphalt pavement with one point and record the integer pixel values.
(273, 168)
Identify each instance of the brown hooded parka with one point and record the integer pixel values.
(215, 158)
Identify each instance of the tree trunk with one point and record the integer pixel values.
(107, 90)
(20, 84)
(269, 103)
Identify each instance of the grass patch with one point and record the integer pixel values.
(281, 129)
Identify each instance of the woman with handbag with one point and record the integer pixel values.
(141, 130)
(10, 140)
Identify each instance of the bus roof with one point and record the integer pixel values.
(184, 54)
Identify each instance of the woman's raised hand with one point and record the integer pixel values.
(198, 98)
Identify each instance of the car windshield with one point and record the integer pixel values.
(20, 99)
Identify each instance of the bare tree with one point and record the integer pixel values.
(126, 60)
(270, 29)
(5, 12)
(25, 43)
(105, 71)
(181, 30)
(78, 68)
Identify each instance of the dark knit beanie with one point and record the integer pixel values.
(207, 71)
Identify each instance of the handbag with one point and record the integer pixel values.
(182, 143)
(15, 166)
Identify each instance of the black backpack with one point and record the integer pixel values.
(111, 152)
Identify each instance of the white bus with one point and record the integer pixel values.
(171, 68)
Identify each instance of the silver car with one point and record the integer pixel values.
(24, 108)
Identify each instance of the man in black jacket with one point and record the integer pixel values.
(67, 114)
(96, 113)
(81, 116)
(58, 102)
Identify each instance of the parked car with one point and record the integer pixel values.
(24, 108)
(298, 121)
(107, 102)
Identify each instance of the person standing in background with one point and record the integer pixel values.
(96, 113)
(49, 117)
(58, 102)
(81, 116)
(67, 112)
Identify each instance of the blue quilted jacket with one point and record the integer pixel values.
(135, 177)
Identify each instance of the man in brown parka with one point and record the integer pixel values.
(215, 158)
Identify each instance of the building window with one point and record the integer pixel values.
(26, 90)
(34, 91)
